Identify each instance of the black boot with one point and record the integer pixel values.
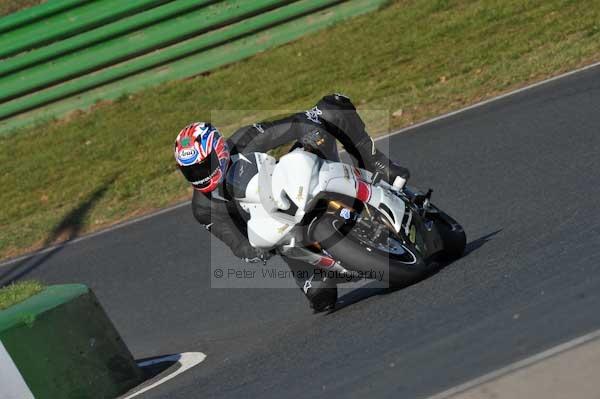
(322, 294)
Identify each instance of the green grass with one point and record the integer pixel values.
(10, 6)
(424, 57)
(18, 292)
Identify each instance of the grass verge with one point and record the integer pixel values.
(10, 6)
(18, 292)
(415, 58)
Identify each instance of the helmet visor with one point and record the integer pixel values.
(199, 174)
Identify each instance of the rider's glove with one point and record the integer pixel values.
(388, 170)
(380, 165)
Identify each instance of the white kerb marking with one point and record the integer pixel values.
(186, 361)
(12, 384)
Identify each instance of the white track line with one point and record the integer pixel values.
(517, 366)
(186, 361)
(426, 122)
(490, 100)
(12, 384)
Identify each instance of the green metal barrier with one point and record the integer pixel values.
(128, 46)
(213, 36)
(33, 14)
(67, 24)
(154, 59)
(103, 33)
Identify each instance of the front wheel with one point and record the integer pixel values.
(453, 236)
(394, 260)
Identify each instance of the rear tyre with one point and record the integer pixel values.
(399, 268)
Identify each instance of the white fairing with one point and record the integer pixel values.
(389, 205)
(337, 177)
(344, 179)
(295, 178)
(296, 181)
(291, 181)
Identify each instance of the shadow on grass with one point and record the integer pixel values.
(69, 227)
(374, 288)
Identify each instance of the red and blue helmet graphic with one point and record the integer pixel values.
(202, 155)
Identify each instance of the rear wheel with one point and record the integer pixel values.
(380, 256)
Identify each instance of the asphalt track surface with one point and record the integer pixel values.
(523, 176)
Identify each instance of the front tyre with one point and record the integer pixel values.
(453, 236)
(398, 263)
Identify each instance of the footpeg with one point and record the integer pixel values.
(427, 200)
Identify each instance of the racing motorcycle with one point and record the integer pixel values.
(341, 218)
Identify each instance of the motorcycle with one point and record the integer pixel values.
(341, 218)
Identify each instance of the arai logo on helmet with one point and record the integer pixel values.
(187, 156)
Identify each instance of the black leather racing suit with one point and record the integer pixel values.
(333, 118)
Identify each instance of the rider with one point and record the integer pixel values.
(203, 157)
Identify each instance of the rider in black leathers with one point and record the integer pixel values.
(333, 118)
